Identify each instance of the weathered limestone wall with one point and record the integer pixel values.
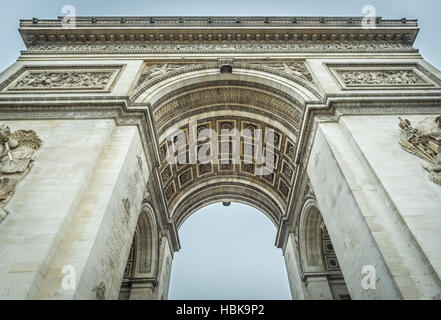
(379, 206)
(165, 265)
(292, 267)
(69, 210)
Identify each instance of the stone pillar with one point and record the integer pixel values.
(143, 290)
(350, 169)
(292, 267)
(165, 265)
(81, 201)
(318, 287)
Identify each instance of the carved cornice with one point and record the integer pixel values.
(214, 29)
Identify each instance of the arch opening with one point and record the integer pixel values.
(260, 106)
(140, 275)
(228, 253)
(320, 269)
(245, 126)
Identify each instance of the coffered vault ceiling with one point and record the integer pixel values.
(190, 186)
(231, 102)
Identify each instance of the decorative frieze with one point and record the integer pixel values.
(424, 141)
(17, 154)
(61, 78)
(221, 47)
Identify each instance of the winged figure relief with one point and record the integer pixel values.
(424, 141)
(17, 153)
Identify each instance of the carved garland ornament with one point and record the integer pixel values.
(424, 141)
(17, 152)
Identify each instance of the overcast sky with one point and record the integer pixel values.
(227, 252)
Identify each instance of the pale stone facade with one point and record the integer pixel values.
(91, 206)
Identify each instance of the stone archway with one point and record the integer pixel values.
(259, 98)
(194, 97)
(319, 267)
(103, 97)
(140, 275)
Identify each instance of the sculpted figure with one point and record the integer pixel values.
(65, 79)
(17, 151)
(435, 169)
(425, 142)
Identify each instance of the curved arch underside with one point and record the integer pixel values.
(226, 192)
(312, 235)
(246, 177)
(234, 96)
(234, 105)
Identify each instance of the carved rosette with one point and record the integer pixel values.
(17, 153)
(424, 141)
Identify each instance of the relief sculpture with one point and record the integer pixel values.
(64, 80)
(389, 77)
(17, 153)
(424, 141)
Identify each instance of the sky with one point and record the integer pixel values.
(227, 252)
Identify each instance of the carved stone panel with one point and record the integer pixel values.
(62, 79)
(376, 76)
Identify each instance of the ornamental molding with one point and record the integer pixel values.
(377, 76)
(17, 155)
(424, 141)
(62, 78)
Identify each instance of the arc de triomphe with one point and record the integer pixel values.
(348, 113)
